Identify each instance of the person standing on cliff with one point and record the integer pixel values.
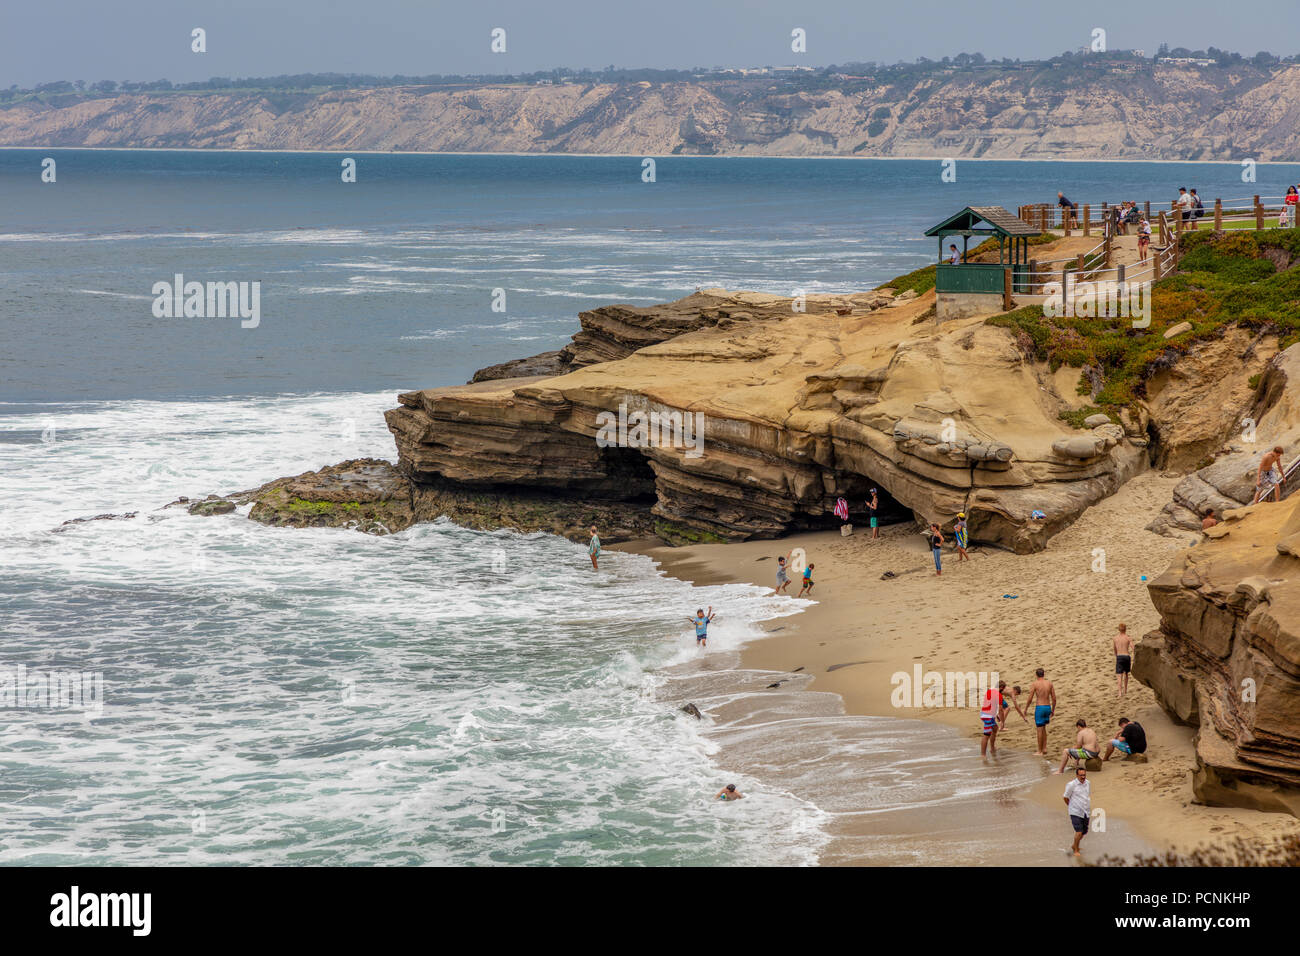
(1269, 479)
(1123, 645)
(1042, 694)
(593, 549)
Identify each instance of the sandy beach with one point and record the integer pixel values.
(1004, 613)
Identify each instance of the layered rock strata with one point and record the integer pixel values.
(1226, 657)
(790, 410)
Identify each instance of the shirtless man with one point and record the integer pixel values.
(1123, 645)
(729, 792)
(1042, 695)
(1209, 521)
(1269, 479)
(1087, 748)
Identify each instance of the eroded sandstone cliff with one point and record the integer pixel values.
(1157, 112)
(798, 408)
(1226, 658)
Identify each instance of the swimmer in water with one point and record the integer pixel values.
(729, 792)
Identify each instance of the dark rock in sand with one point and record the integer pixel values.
(692, 710)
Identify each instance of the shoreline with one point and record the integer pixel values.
(862, 630)
(439, 152)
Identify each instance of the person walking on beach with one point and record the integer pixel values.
(1085, 746)
(807, 581)
(729, 792)
(1042, 695)
(873, 510)
(1123, 647)
(701, 622)
(936, 542)
(1144, 239)
(1269, 479)
(1132, 739)
(959, 536)
(782, 574)
(1078, 804)
(593, 548)
(992, 718)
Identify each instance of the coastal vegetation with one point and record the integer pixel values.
(1224, 280)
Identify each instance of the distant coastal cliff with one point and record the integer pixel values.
(1160, 112)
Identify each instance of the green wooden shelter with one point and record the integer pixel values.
(1013, 235)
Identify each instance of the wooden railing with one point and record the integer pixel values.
(1263, 212)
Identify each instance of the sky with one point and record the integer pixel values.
(46, 40)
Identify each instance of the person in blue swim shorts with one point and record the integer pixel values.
(1042, 695)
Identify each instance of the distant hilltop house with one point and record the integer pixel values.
(1186, 60)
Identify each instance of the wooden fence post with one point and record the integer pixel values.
(1087, 219)
(1164, 229)
(1006, 290)
(1108, 250)
(1146, 210)
(1218, 215)
(1078, 266)
(1119, 273)
(1033, 276)
(1259, 214)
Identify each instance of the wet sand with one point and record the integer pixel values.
(998, 612)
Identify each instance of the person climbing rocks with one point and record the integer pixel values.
(1269, 479)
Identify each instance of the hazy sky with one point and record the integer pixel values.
(46, 40)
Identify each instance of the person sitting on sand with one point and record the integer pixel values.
(1123, 647)
(1209, 521)
(701, 622)
(1086, 749)
(729, 792)
(1269, 479)
(1042, 695)
(1132, 739)
(936, 543)
(959, 536)
(1015, 702)
(782, 574)
(593, 548)
(807, 581)
(1078, 803)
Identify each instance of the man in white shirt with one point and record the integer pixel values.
(1078, 802)
(1184, 203)
(954, 257)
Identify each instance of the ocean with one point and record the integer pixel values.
(438, 696)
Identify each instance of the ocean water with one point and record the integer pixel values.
(439, 695)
